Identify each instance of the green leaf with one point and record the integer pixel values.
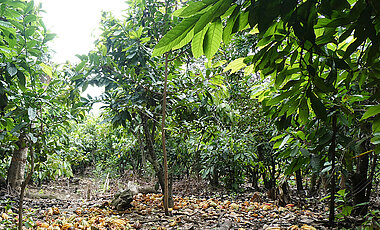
(281, 97)
(30, 31)
(277, 137)
(21, 80)
(227, 33)
(376, 124)
(318, 107)
(213, 38)
(187, 39)
(76, 77)
(32, 113)
(322, 85)
(303, 112)
(281, 144)
(175, 36)
(236, 65)
(371, 111)
(353, 46)
(30, 18)
(197, 43)
(241, 22)
(293, 57)
(5, 24)
(280, 78)
(190, 10)
(375, 139)
(215, 11)
(49, 37)
(47, 69)
(11, 69)
(80, 66)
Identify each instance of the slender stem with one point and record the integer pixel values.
(166, 178)
(24, 183)
(332, 185)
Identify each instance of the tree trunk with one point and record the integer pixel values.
(152, 157)
(214, 179)
(313, 185)
(361, 182)
(332, 158)
(299, 181)
(360, 185)
(17, 168)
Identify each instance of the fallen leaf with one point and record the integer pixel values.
(5, 216)
(307, 227)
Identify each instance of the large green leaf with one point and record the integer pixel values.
(21, 80)
(175, 36)
(197, 43)
(371, 111)
(190, 10)
(48, 70)
(11, 69)
(303, 112)
(235, 65)
(227, 33)
(187, 39)
(281, 97)
(213, 38)
(318, 107)
(215, 11)
(5, 24)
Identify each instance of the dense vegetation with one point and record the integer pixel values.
(257, 92)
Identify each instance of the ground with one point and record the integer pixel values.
(83, 203)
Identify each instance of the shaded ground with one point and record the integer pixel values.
(83, 203)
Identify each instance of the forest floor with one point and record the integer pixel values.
(83, 203)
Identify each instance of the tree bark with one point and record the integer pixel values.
(299, 181)
(23, 186)
(17, 168)
(152, 157)
(166, 178)
(360, 186)
(332, 158)
(361, 183)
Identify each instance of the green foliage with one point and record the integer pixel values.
(96, 145)
(345, 208)
(36, 98)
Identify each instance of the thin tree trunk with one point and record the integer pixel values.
(370, 179)
(360, 185)
(198, 159)
(23, 186)
(166, 179)
(299, 181)
(17, 168)
(332, 185)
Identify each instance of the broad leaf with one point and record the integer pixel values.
(175, 36)
(213, 38)
(11, 69)
(47, 69)
(371, 111)
(303, 112)
(318, 107)
(197, 43)
(215, 11)
(236, 65)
